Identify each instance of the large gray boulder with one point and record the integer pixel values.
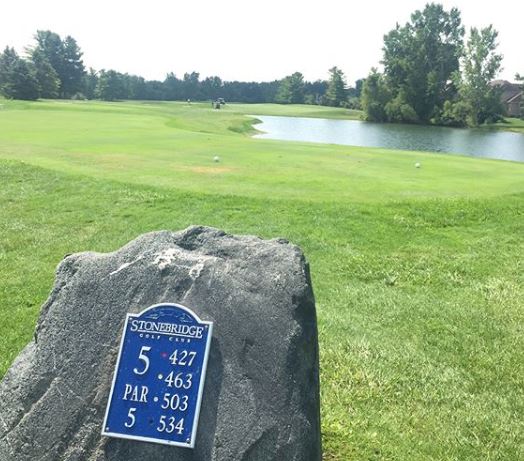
(261, 395)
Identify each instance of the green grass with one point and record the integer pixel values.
(418, 273)
(173, 145)
(509, 124)
(296, 110)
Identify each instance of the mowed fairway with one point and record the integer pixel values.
(418, 273)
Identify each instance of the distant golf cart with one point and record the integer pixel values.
(218, 103)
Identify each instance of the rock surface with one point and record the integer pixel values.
(261, 396)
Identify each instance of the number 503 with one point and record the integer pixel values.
(175, 402)
(167, 424)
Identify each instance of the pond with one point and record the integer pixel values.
(495, 144)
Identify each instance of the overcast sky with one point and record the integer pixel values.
(242, 39)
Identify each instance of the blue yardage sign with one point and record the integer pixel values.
(159, 377)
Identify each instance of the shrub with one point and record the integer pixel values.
(398, 110)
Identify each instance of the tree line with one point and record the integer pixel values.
(53, 68)
(431, 75)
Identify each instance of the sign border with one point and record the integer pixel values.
(172, 443)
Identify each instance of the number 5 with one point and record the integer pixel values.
(132, 417)
(144, 358)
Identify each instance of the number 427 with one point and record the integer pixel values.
(182, 358)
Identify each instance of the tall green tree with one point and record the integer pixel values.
(48, 81)
(421, 57)
(17, 78)
(481, 64)
(49, 46)
(90, 83)
(291, 90)
(64, 56)
(8, 58)
(73, 69)
(336, 93)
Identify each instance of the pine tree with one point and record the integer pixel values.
(291, 90)
(336, 94)
(17, 79)
(7, 60)
(73, 68)
(90, 83)
(48, 81)
(65, 57)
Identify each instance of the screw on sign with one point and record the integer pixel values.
(159, 376)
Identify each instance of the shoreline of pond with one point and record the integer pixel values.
(493, 143)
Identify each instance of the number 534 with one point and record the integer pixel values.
(168, 425)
